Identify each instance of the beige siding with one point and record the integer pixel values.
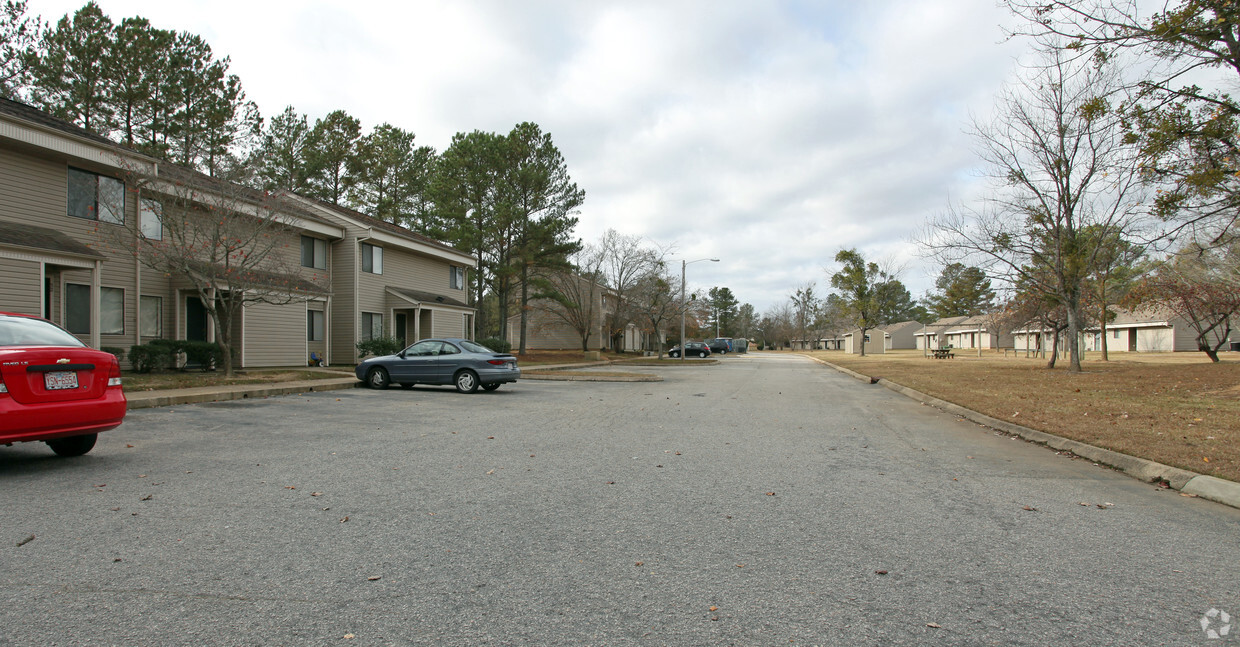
(32, 189)
(275, 335)
(20, 289)
(448, 323)
(344, 319)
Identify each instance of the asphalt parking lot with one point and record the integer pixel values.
(756, 501)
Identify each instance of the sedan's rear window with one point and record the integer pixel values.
(475, 348)
(23, 331)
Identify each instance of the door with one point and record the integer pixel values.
(1132, 340)
(195, 319)
(402, 324)
(418, 364)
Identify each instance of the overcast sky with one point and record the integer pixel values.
(767, 134)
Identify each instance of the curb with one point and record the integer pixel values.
(553, 376)
(150, 399)
(1205, 487)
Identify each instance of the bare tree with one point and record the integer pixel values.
(231, 245)
(1199, 284)
(626, 262)
(1065, 182)
(656, 300)
(573, 296)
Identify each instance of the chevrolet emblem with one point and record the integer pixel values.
(63, 360)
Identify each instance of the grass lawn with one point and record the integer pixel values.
(187, 379)
(1178, 409)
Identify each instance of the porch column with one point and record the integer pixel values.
(96, 287)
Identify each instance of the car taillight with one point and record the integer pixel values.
(114, 374)
(496, 362)
(3, 388)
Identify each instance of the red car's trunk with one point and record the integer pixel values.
(54, 374)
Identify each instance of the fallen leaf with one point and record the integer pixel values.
(344, 520)
(770, 494)
(881, 572)
(1029, 509)
(714, 608)
(316, 494)
(146, 498)
(740, 566)
(373, 578)
(1188, 495)
(935, 625)
(25, 541)
(490, 437)
(129, 446)
(348, 636)
(289, 487)
(638, 563)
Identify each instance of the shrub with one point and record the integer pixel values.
(147, 357)
(379, 346)
(206, 354)
(496, 344)
(119, 353)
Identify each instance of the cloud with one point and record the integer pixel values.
(767, 134)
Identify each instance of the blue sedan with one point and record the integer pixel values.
(459, 362)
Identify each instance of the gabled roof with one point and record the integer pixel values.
(429, 298)
(901, 326)
(377, 223)
(938, 326)
(34, 115)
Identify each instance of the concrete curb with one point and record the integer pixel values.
(149, 399)
(1206, 487)
(554, 376)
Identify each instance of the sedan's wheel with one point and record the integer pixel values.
(73, 445)
(466, 381)
(378, 378)
(490, 387)
(702, 354)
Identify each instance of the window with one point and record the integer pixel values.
(151, 219)
(372, 325)
(314, 325)
(77, 308)
(313, 252)
(1115, 333)
(456, 277)
(96, 197)
(112, 311)
(372, 259)
(152, 324)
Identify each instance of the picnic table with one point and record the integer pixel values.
(943, 353)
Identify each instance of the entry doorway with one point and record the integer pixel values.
(402, 326)
(195, 319)
(1132, 340)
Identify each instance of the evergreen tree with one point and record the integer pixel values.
(69, 70)
(281, 159)
(330, 146)
(962, 292)
(19, 34)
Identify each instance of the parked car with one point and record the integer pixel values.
(693, 348)
(54, 388)
(721, 345)
(460, 362)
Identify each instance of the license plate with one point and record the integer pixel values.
(56, 380)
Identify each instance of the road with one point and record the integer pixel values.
(764, 500)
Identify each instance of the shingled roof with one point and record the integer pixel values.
(379, 223)
(31, 236)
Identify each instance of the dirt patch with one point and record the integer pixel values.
(1174, 409)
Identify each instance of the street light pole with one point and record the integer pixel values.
(683, 264)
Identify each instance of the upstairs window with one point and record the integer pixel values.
(151, 219)
(372, 259)
(456, 277)
(96, 197)
(313, 252)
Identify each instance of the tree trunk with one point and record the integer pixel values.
(1073, 340)
(525, 305)
(863, 342)
(1054, 350)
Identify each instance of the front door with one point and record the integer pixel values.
(1132, 339)
(402, 324)
(195, 319)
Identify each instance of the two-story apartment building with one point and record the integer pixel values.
(66, 208)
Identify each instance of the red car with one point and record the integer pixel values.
(54, 388)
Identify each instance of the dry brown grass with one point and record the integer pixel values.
(1178, 409)
(189, 379)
